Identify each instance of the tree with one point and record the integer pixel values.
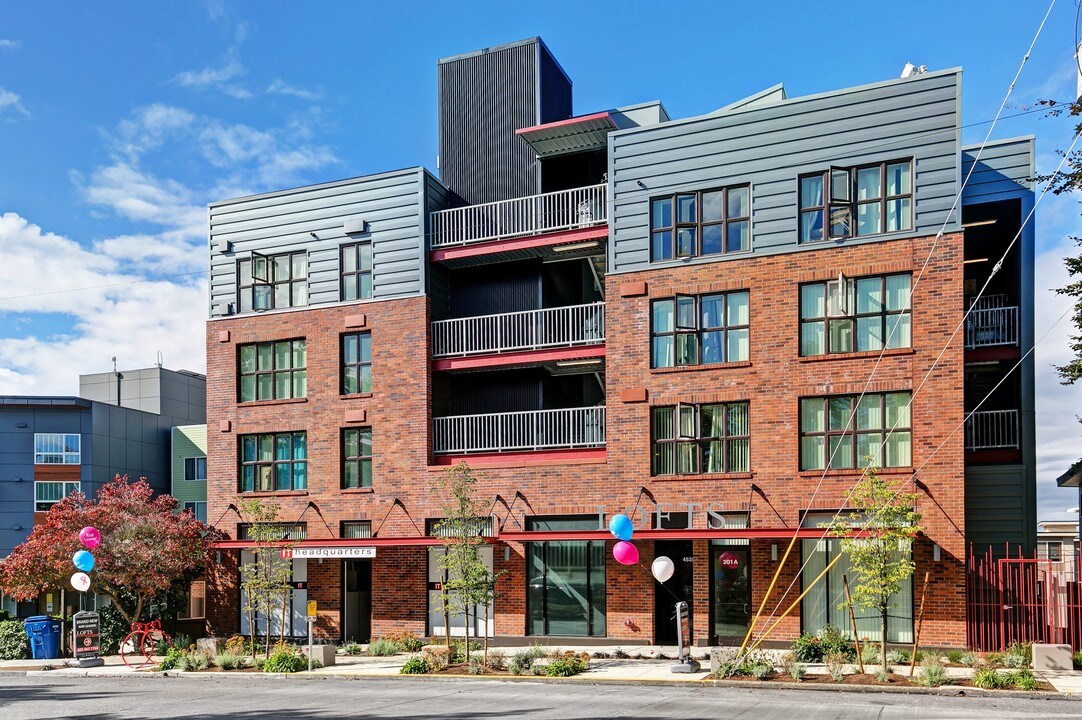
(881, 555)
(266, 579)
(145, 546)
(469, 581)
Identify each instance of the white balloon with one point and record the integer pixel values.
(662, 568)
(80, 581)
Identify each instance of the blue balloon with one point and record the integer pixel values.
(621, 527)
(83, 560)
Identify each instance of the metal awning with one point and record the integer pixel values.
(577, 134)
(686, 534)
(411, 541)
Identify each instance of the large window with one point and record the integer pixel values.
(855, 315)
(196, 605)
(877, 434)
(708, 222)
(49, 492)
(690, 439)
(274, 461)
(854, 201)
(56, 449)
(356, 363)
(195, 468)
(199, 509)
(268, 282)
(357, 458)
(273, 370)
(565, 594)
(700, 329)
(356, 264)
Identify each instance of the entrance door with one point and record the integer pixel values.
(731, 589)
(357, 585)
(680, 587)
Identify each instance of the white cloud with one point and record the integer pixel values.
(6, 44)
(280, 87)
(9, 99)
(217, 78)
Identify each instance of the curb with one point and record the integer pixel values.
(943, 691)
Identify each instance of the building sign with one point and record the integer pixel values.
(729, 561)
(86, 633)
(683, 629)
(353, 553)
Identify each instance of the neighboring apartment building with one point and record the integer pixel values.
(189, 486)
(1057, 542)
(673, 318)
(52, 446)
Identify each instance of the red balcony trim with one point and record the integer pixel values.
(692, 534)
(524, 357)
(568, 121)
(528, 242)
(987, 354)
(522, 459)
(413, 540)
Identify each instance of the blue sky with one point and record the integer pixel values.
(119, 122)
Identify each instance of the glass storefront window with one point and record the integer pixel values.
(566, 581)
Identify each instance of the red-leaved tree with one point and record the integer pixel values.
(145, 546)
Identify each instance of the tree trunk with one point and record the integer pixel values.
(446, 620)
(282, 626)
(883, 639)
(251, 626)
(484, 659)
(467, 613)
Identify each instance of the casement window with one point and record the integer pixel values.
(700, 329)
(273, 370)
(356, 363)
(274, 461)
(855, 315)
(269, 282)
(56, 449)
(199, 509)
(49, 492)
(692, 439)
(195, 468)
(356, 265)
(707, 222)
(847, 202)
(878, 434)
(357, 458)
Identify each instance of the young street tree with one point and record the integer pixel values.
(881, 556)
(145, 546)
(266, 579)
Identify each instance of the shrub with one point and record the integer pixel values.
(194, 661)
(897, 657)
(620, 654)
(259, 662)
(286, 659)
(437, 657)
(807, 649)
(497, 659)
(13, 642)
(869, 654)
(972, 660)
(476, 665)
(761, 671)
(989, 679)
(514, 668)
(416, 665)
(881, 675)
(797, 671)
(181, 641)
(229, 661)
(173, 659)
(932, 672)
(835, 663)
(1017, 655)
(352, 649)
(237, 645)
(954, 657)
(382, 647)
(1076, 659)
(525, 658)
(814, 648)
(407, 641)
(1024, 680)
(538, 668)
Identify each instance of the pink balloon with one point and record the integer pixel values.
(90, 537)
(625, 553)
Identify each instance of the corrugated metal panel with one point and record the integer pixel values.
(483, 98)
(1004, 171)
(995, 498)
(769, 146)
(479, 291)
(392, 204)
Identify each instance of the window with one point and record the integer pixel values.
(274, 461)
(195, 468)
(273, 531)
(199, 509)
(49, 492)
(273, 370)
(855, 315)
(856, 201)
(357, 458)
(691, 439)
(1055, 551)
(356, 529)
(195, 608)
(56, 449)
(565, 594)
(356, 264)
(356, 363)
(694, 329)
(708, 222)
(273, 282)
(830, 429)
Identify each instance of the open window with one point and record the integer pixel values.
(687, 325)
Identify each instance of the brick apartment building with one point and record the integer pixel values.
(622, 312)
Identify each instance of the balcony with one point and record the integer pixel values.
(992, 430)
(577, 214)
(528, 431)
(517, 332)
(992, 327)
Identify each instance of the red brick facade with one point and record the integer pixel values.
(775, 492)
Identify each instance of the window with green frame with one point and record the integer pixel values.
(274, 462)
(855, 315)
(273, 370)
(879, 432)
(692, 439)
(357, 458)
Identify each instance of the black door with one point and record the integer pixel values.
(679, 588)
(730, 586)
(357, 589)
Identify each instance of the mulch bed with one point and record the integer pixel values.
(895, 680)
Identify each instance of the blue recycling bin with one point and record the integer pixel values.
(44, 635)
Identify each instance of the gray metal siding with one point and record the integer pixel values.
(1005, 171)
(995, 495)
(391, 203)
(770, 145)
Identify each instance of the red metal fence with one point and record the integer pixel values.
(1013, 598)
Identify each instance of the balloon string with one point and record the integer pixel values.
(674, 595)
